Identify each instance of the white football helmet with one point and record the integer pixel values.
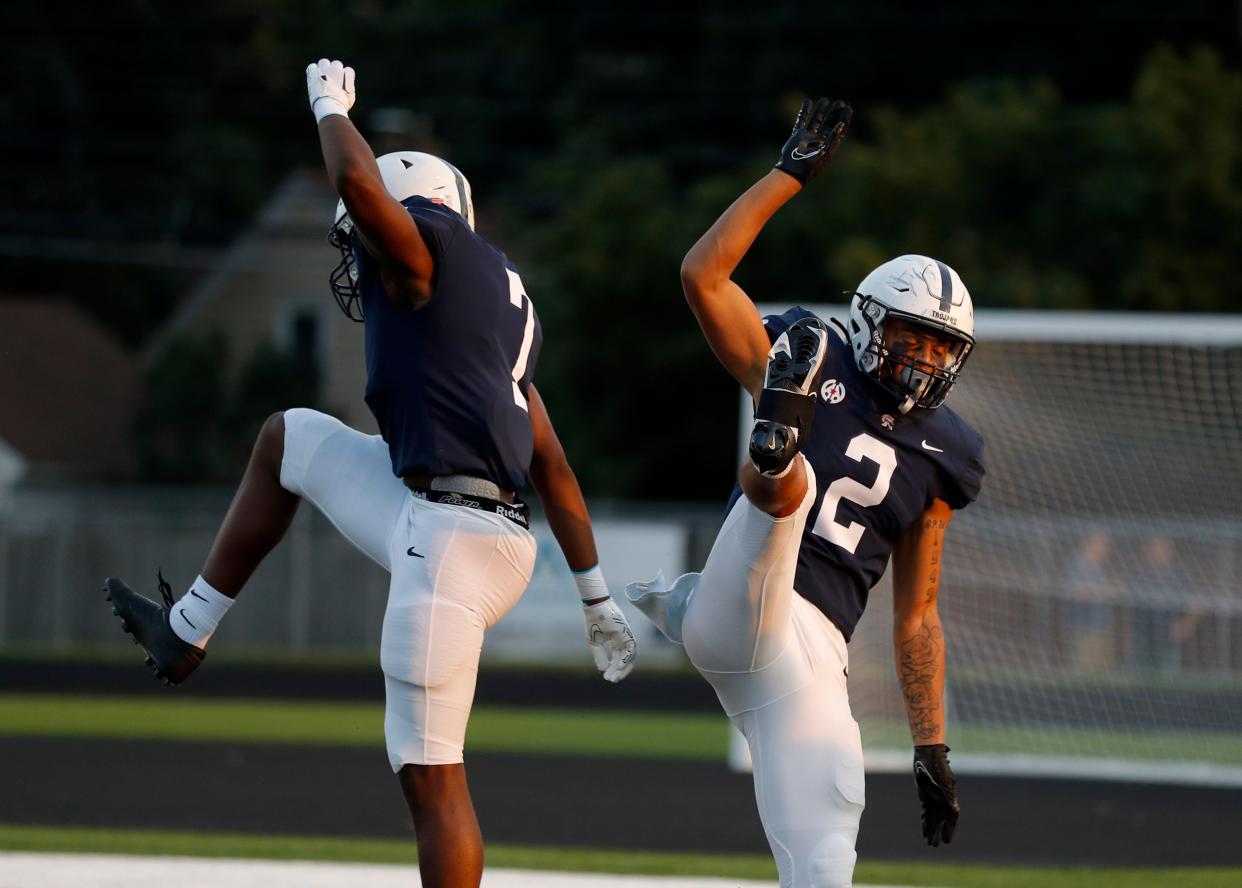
(405, 174)
(923, 292)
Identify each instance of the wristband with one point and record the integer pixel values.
(591, 584)
(326, 106)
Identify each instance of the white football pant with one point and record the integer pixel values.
(454, 571)
(778, 666)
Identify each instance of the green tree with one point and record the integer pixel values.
(1037, 204)
(194, 427)
(1186, 115)
(177, 426)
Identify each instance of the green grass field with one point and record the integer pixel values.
(63, 840)
(492, 728)
(496, 729)
(510, 729)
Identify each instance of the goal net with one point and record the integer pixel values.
(1091, 598)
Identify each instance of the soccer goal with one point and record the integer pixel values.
(1091, 598)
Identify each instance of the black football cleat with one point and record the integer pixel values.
(171, 658)
(790, 393)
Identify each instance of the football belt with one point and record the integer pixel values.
(517, 511)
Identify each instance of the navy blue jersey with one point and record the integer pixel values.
(448, 383)
(876, 472)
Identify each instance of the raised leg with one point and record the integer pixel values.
(298, 454)
(256, 521)
(258, 517)
(778, 496)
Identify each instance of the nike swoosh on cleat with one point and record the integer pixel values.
(927, 446)
(410, 551)
(187, 619)
(196, 595)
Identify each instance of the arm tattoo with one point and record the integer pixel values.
(935, 528)
(918, 667)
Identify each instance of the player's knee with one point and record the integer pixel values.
(831, 862)
(269, 447)
(431, 788)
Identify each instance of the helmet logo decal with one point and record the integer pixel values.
(946, 287)
(922, 285)
(832, 391)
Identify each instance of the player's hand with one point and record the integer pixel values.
(611, 640)
(330, 88)
(936, 783)
(817, 132)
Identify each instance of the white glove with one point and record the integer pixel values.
(611, 640)
(330, 88)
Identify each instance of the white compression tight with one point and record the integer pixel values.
(778, 666)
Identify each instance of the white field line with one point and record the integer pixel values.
(22, 870)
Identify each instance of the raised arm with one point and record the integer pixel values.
(724, 311)
(918, 644)
(607, 631)
(387, 231)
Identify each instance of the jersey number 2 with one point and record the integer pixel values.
(847, 535)
(519, 299)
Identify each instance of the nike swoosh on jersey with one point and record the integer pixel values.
(410, 551)
(927, 446)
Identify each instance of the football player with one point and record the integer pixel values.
(451, 344)
(853, 459)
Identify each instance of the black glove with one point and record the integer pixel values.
(935, 782)
(817, 132)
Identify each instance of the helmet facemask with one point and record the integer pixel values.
(344, 278)
(911, 380)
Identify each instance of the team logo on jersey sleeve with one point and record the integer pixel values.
(832, 391)
(887, 421)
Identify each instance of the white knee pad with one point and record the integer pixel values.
(426, 643)
(816, 858)
(831, 863)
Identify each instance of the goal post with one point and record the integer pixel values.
(1092, 598)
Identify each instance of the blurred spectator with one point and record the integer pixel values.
(1090, 615)
(1163, 618)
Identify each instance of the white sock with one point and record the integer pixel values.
(195, 616)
